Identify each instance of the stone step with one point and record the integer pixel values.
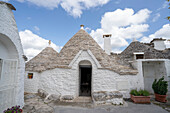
(83, 99)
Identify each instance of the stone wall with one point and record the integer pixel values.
(8, 28)
(149, 52)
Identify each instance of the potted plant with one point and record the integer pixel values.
(141, 96)
(14, 109)
(160, 88)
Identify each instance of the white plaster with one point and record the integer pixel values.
(138, 53)
(90, 53)
(167, 65)
(152, 70)
(31, 84)
(122, 85)
(85, 63)
(107, 45)
(9, 36)
(159, 45)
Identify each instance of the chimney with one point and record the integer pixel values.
(82, 26)
(159, 43)
(107, 43)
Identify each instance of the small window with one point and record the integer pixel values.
(0, 67)
(30, 75)
(139, 56)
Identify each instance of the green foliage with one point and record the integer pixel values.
(134, 92)
(139, 93)
(160, 86)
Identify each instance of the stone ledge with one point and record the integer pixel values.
(104, 97)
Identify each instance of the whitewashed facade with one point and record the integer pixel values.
(68, 72)
(12, 64)
(66, 81)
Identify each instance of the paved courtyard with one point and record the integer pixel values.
(35, 104)
(131, 108)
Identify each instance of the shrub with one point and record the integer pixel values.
(160, 86)
(139, 93)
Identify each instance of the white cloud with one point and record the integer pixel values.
(37, 29)
(156, 17)
(164, 33)
(73, 7)
(164, 5)
(123, 25)
(34, 44)
(28, 18)
(117, 2)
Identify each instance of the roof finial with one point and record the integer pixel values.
(82, 26)
(49, 42)
(134, 40)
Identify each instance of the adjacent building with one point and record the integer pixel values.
(12, 64)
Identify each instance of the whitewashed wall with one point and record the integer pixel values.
(8, 28)
(167, 65)
(31, 85)
(159, 45)
(62, 81)
(66, 81)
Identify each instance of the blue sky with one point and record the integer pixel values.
(58, 20)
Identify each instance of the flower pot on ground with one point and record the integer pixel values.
(141, 96)
(160, 89)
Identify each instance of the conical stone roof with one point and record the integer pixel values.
(83, 41)
(42, 61)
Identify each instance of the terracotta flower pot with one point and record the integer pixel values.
(141, 99)
(160, 98)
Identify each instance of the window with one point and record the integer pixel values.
(0, 67)
(139, 56)
(30, 75)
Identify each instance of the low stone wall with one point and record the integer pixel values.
(102, 97)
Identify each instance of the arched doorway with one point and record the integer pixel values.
(8, 72)
(85, 76)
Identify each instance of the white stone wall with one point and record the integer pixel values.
(31, 85)
(107, 45)
(66, 81)
(8, 27)
(159, 45)
(58, 81)
(167, 65)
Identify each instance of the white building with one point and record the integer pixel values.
(83, 68)
(12, 64)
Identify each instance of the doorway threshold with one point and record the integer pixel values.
(83, 99)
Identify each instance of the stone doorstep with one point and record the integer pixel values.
(83, 99)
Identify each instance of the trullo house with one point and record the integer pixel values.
(83, 69)
(12, 64)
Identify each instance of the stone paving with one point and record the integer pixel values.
(36, 104)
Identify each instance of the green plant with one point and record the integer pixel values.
(139, 93)
(160, 86)
(14, 109)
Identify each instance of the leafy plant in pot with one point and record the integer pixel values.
(160, 88)
(141, 96)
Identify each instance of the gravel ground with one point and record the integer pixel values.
(35, 104)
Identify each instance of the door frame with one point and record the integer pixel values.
(84, 66)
